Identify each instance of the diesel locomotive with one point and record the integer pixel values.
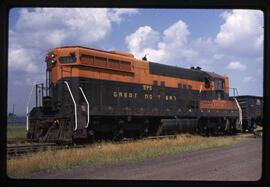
(93, 94)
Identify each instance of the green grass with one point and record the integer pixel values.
(108, 153)
(16, 132)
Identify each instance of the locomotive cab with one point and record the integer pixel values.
(219, 86)
(225, 111)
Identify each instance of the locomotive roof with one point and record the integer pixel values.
(167, 70)
(214, 75)
(63, 47)
(183, 73)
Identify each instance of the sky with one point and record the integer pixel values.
(227, 42)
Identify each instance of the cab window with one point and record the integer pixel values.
(219, 84)
(206, 83)
(67, 59)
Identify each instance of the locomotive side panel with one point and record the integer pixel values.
(124, 99)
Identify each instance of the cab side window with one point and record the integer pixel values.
(219, 84)
(206, 82)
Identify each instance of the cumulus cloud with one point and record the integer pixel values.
(144, 38)
(218, 56)
(116, 14)
(242, 32)
(173, 46)
(28, 80)
(248, 79)
(39, 29)
(176, 34)
(170, 46)
(240, 35)
(21, 59)
(236, 65)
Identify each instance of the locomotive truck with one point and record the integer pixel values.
(93, 94)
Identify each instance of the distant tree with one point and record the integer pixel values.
(11, 115)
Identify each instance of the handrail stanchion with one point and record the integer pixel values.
(240, 111)
(75, 106)
(88, 118)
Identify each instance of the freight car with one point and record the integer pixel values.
(252, 111)
(94, 94)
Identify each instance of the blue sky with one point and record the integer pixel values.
(223, 41)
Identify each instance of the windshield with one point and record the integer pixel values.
(219, 84)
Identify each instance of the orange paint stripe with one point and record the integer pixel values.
(139, 68)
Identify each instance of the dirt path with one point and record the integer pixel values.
(236, 162)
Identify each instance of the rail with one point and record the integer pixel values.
(21, 150)
(88, 118)
(130, 140)
(26, 149)
(75, 106)
(17, 140)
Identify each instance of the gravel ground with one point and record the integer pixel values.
(240, 162)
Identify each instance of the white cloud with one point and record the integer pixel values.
(242, 32)
(218, 56)
(240, 36)
(236, 65)
(21, 59)
(248, 79)
(173, 47)
(176, 35)
(170, 47)
(145, 37)
(29, 80)
(39, 29)
(58, 26)
(116, 14)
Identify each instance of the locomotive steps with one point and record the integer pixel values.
(109, 153)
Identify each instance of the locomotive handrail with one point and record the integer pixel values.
(75, 106)
(240, 111)
(235, 91)
(27, 108)
(87, 107)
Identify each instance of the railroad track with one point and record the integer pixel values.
(17, 141)
(130, 140)
(160, 137)
(26, 149)
(21, 150)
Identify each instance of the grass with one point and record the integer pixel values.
(108, 153)
(16, 132)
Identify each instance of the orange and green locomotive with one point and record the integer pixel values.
(94, 94)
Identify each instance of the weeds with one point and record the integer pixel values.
(108, 153)
(16, 132)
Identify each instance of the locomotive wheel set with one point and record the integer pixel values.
(92, 94)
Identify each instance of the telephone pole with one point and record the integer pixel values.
(13, 110)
